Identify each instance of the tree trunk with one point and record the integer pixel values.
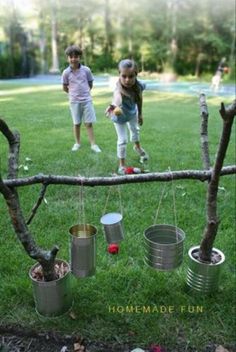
(55, 60)
(42, 44)
(108, 34)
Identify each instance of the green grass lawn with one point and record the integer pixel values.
(170, 135)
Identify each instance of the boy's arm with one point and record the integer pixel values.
(65, 87)
(90, 83)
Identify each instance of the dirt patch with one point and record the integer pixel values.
(14, 339)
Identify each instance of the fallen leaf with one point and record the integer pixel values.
(64, 349)
(77, 346)
(131, 333)
(25, 168)
(221, 349)
(179, 187)
(72, 315)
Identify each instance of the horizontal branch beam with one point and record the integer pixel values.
(201, 175)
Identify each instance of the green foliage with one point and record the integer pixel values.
(170, 135)
(111, 30)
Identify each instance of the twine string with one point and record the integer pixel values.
(108, 197)
(159, 204)
(174, 203)
(120, 200)
(82, 207)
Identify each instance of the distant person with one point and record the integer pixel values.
(77, 81)
(126, 111)
(217, 78)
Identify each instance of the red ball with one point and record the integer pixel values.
(129, 170)
(113, 248)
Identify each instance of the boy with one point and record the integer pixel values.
(77, 81)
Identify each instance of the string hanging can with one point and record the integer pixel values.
(163, 243)
(83, 245)
(112, 223)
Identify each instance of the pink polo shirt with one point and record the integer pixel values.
(77, 81)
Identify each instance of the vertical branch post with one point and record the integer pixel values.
(204, 132)
(45, 258)
(212, 218)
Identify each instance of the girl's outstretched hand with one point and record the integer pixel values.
(112, 109)
(109, 110)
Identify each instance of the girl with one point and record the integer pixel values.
(126, 111)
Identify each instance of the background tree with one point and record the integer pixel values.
(187, 36)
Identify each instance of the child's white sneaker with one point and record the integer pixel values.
(75, 147)
(141, 152)
(121, 170)
(95, 148)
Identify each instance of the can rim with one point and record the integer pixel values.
(49, 283)
(107, 218)
(180, 234)
(192, 249)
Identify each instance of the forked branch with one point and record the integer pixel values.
(45, 258)
(211, 228)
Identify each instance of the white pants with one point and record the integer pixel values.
(122, 137)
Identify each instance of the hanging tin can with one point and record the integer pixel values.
(83, 250)
(163, 246)
(113, 227)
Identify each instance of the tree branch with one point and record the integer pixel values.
(204, 132)
(212, 218)
(13, 139)
(37, 204)
(201, 175)
(45, 258)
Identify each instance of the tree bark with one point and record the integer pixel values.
(200, 175)
(45, 258)
(204, 132)
(212, 218)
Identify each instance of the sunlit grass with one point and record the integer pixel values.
(170, 134)
(32, 89)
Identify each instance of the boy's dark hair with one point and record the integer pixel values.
(73, 50)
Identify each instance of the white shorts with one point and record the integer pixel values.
(83, 111)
